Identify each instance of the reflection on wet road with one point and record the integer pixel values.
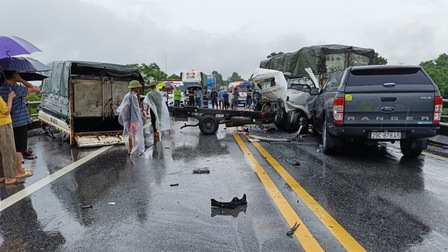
(364, 198)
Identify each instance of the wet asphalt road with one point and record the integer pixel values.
(156, 203)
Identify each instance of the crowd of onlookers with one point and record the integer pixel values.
(216, 99)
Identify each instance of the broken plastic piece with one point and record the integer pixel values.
(293, 229)
(86, 206)
(232, 204)
(174, 184)
(293, 162)
(201, 171)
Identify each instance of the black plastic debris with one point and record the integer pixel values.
(232, 204)
(201, 171)
(228, 212)
(174, 184)
(293, 229)
(293, 162)
(86, 206)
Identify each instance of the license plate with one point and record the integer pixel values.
(385, 135)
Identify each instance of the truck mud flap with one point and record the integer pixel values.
(93, 140)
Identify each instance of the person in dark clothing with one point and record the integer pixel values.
(214, 98)
(225, 99)
(191, 97)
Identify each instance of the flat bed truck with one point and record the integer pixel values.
(209, 119)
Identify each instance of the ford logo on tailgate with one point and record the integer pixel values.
(388, 109)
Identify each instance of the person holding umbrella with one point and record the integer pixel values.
(19, 115)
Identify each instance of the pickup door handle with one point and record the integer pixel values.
(388, 99)
(389, 84)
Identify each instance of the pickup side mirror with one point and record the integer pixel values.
(314, 91)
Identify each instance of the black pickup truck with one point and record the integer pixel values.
(378, 103)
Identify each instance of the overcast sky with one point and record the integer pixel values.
(226, 36)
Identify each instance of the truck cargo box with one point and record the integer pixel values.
(80, 99)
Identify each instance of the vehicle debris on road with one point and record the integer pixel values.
(204, 170)
(293, 229)
(232, 204)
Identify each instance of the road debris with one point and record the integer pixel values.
(269, 139)
(111, 203)
(293, 162)
(174, 184)
(232, 204)
(204, 170)
(293, 229)
(86, 206)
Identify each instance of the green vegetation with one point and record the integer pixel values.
(438, 71)
(378, 60)
(33, 108)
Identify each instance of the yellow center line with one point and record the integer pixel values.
(302, 233)
(346, 240)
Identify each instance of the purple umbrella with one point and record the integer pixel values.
(22, 64)
(12, 45)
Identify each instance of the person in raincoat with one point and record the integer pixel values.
(160, 117)
(130, 116)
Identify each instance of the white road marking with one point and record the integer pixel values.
(11, 200)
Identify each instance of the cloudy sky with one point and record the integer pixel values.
(226, 36)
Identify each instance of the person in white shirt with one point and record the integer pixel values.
(165, 96)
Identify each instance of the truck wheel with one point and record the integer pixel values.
(299, 119)
(413, 147)
(208, 124)
(328, 142)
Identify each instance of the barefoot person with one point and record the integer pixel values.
(7, 148)
(19, 115)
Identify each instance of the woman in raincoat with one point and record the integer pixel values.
(131, 119)
(160, 116)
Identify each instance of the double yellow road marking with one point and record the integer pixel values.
(302, 233)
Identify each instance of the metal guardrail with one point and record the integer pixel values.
(443, 123)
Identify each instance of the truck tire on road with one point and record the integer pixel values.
(413, 147)
(328, 142)
(208, 124)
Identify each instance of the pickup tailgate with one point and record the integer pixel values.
(388, 97)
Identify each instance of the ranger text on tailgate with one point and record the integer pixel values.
(378, 103)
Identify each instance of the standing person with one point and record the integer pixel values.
(220, 101)
(225, 100)
(248, 103)
(160, 117)
(19, 115)
(177, 96)
(235, 96)
(164, 95)
(130, 116)
(214, 98)
(191, 96)
(7, 152)
(198, 95)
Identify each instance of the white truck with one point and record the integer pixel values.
(297, 69)
(81, 98)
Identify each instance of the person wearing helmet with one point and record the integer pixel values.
(130, 116)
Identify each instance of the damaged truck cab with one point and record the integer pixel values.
(81, 99)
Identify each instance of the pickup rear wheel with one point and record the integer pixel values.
(208, 124)
(328, 143)
(413, 147)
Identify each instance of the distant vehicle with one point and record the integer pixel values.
(81, 98)
(195, 79)
(378, 103)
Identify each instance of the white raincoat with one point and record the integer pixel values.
(131, 119)
(154, 101)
